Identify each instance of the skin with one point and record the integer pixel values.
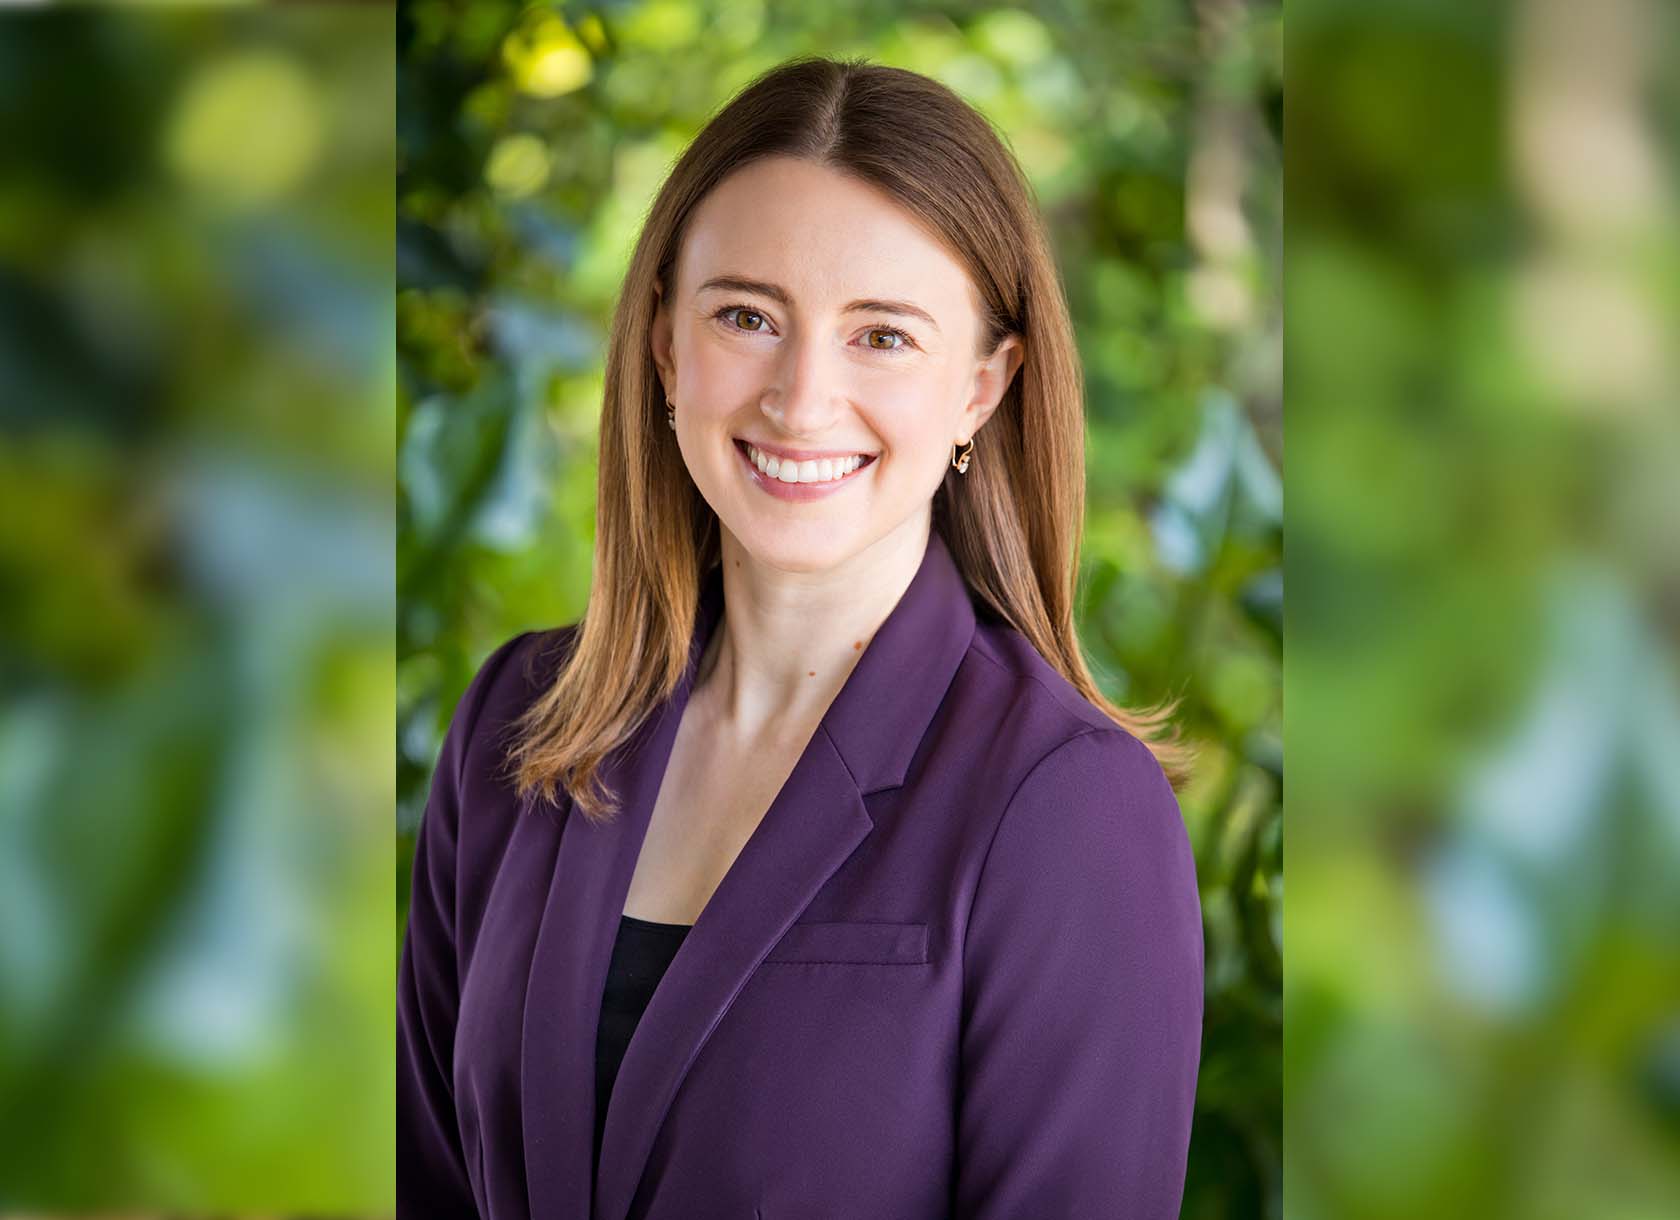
(806, 585)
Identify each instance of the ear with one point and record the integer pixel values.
(991, 380)
(661, 344)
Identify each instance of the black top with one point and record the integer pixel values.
(640, 955)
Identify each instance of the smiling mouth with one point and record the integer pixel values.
(810, 471)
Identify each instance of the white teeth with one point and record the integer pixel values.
(823, 470)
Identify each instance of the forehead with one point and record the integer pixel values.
(823, 235)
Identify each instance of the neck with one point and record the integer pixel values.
(789, 640)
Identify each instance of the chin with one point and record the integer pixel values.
(803, 551)
(801, 559)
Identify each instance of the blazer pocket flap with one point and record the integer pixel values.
(885, 943)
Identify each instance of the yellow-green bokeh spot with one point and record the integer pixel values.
(246, 129)
(1013, 37)
(663, 25)
(593, 34)
(546, 59)
(518, 165)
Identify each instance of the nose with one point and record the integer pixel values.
(805, 395)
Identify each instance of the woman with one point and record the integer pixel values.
(822, 759)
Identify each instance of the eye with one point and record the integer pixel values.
(749, 321)
(891, 332)
(745, 312)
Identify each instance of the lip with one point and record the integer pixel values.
(801, 455)
(797, 491)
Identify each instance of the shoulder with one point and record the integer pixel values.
(503, 686)
(473, 804)
(1078, 792)
(1099, 788)
(512, 676)
(1093, 837)
(1008, 697)
(1004, 660)
(522, 666)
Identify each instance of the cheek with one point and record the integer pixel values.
(719, 373)
(911, 413)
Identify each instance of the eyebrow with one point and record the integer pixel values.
(778, 294)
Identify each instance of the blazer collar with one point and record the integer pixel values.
(864, 743)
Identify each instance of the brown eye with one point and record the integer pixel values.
(895, 339)
(747, 313)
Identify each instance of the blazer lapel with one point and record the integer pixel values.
(568, 972)
(815, 822)
(864, 743)
(573, 950)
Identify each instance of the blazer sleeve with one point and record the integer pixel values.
(1082, 995)
(431, 1169)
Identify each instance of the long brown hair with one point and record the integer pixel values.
(1013, 523)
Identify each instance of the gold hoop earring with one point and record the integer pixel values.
(960, 460)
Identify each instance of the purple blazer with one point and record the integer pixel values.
(955, 972)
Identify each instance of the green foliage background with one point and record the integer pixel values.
(1483, 983)
(196, 611)
(531, 140)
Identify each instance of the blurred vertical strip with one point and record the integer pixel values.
(197, 432)
(1483, 925)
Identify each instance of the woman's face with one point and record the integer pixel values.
(813, 321)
